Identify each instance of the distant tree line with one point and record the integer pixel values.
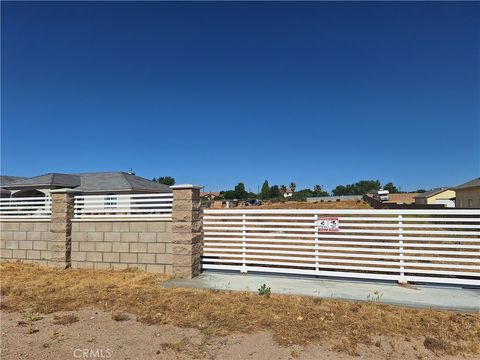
(276, 192)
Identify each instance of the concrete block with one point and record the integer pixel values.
(111, 236)
(79, 256)
(25, 226)
(103, 226)
(111, 257)
(94, 256)
(95, 236)
(19, 254)
(147, 237)
(20, 235)
(87, 226)
(102, 266)
(11, 244)
(40, 245)
(156, 226)
(103, 246)
(138, 247)
(168, 226)
(27, 245)
(34, 235)
(121, 226)
(83, 265)
(33, 254)
(75, 226)
(41, 226)
(87, 246)
(164, 259)
(120, 247)
(159, 269)
(128, 258)
(140, 267)
(155, 248)
(6, 235)
(9, 226)
(164, 237)
(6, 253)
(146, 258)
(129, 237)
(138, 226)
(119, 266)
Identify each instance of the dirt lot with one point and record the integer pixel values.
(58, 314)
(316, 205)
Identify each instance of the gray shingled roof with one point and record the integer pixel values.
(469, 184)
(50, 179)
(90, 182)
(430, 193)
(116, 181)
(6, 179)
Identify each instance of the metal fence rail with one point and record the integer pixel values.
(123, 207)
(31, 208)
(441, 246)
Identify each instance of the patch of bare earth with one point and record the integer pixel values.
(48, 312)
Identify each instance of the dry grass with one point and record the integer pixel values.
(316, 205)
(292, 320)
(64, 319)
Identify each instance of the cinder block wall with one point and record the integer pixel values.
(146, 245)
(25, 240)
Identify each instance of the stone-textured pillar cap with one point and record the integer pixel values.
(66, 190)
(185, 186)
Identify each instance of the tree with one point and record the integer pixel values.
(283, 189)
(359, 188)
(293, 186)
(265, 192)
(167, 180)
(239, 191)
(317, 189)
(275, 192)
(392, 189)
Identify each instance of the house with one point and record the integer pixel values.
(440, 196)
(6, 180)
(468, 194)
(210, 195)
(402, 198)
(288, 193)
(91, 183)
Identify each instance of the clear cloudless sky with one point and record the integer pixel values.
(217, 93)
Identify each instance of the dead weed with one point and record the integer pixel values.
(292, 320)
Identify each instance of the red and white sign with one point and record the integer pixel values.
(327, 224)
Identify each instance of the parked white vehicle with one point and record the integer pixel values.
(382, 195)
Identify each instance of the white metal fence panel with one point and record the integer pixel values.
(440, 246)
(31, 208)
(121, 207)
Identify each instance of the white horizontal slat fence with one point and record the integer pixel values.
(437, 246)
(123, 207)
(25, 208)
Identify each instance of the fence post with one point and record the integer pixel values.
(244, 232)
(186, 231)
(317, 264)
(60, 243)
(400, 240)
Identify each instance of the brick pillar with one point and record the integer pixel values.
(186, 231)
(60, 244)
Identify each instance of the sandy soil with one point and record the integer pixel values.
(97, 336)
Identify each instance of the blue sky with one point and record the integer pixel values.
(217, 93)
